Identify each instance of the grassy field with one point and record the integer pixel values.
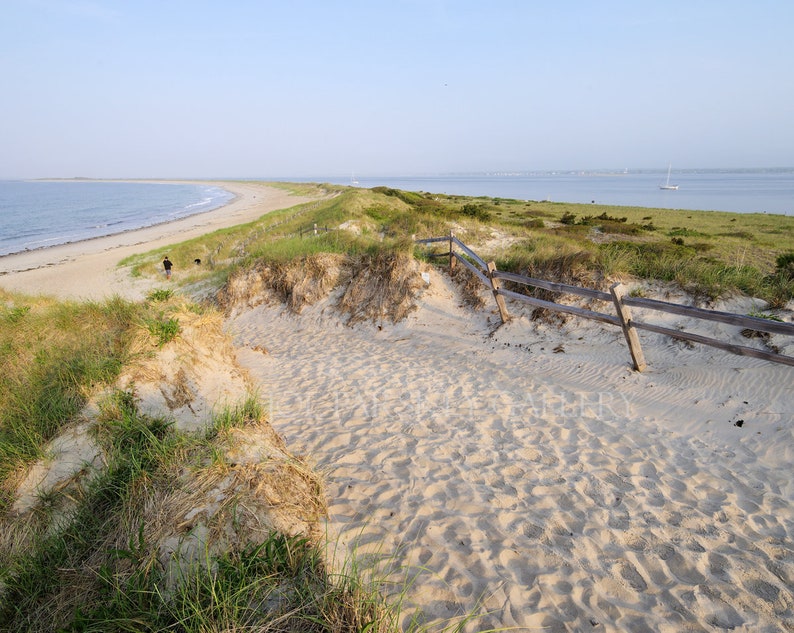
(56, 356)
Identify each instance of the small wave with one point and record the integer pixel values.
(204, 201)
(51, 241)
(216, 197)
(50, 214)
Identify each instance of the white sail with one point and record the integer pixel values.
(667, 185)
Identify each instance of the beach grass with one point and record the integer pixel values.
(708, 253)
(88, 556)
(90, 562)
(53, 355)
(98, 570)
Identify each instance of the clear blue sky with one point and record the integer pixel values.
(245, 88)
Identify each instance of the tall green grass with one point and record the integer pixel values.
(52, 356)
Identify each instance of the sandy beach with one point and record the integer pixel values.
(88, 269)
(523, 472)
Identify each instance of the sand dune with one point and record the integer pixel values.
(523, 472)
(563, 490)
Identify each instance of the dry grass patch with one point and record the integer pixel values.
(382, 287)
(307, 280)
(470, 287)
(246, 488)
(190, 376)
(297, 283)
(379, 286)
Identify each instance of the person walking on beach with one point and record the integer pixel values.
(167, 265)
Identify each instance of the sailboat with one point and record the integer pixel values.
(667, 185)
(353, 180)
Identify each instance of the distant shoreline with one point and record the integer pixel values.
(122, 232)
(87, 268)
(221, 185)
(746, 191)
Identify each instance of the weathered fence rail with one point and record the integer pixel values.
(314, 230)
(492, 278)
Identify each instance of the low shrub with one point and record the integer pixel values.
(164, 331)
(785, 265)
(568, 218)
(476, 211)
(678, 231)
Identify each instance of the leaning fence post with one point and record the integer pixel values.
(618, 291)
(495, 285)
(451, 252)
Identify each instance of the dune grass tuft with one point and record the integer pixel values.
(102, 568)
(106, 560)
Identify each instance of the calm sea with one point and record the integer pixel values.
(38, 214)
(740, 191)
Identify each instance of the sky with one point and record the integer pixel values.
(308, 88)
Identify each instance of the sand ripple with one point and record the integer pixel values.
(557, 491)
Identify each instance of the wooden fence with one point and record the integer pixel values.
(617, 296)
(313, 230)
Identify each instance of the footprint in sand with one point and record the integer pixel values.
(681, 569)
(632, 577)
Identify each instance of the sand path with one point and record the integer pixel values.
(563, 490)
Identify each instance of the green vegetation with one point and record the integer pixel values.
(163, 330)
(99, 571)
(162, 294)
(52, 355)
(88, 558)
(708, 253)
(764, 315)
(88, 555)
(287, 572)
(785, 265)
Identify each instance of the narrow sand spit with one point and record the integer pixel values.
(89, 269)
(530, 471)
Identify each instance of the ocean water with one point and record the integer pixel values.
(38, 214)
(738, 191)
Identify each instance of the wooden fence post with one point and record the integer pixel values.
(451, 252)
(618, 291)
(500, 300)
